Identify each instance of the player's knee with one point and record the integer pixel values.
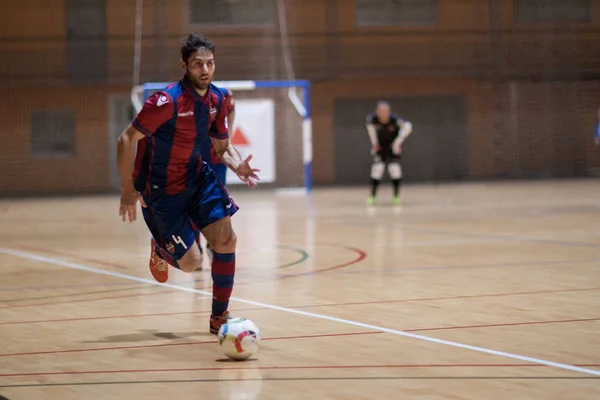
(191, 261)
(395, 171)
(377, 170)
(225, 243)
(221, 236)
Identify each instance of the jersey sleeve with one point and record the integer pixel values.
(404, 129)
(229, 101)
(220, 128)
(157, 110)
(371, 130)
(371, 119)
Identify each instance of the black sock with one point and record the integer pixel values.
(374, 185)
(396, 183)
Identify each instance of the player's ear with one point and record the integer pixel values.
(183, 65)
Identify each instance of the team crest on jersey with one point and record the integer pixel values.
(170, 247)
(213, 111)
(162, 100)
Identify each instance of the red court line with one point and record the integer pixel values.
(563, 321)
(180, 344)
(20, 272)
(475, 296)
(93, 299)
(299, 367)
(45, 321)
(35, 353)
(295, 307)
(261, 309)
(361, 256)
(75, 257)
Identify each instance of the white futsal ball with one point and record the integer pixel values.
(239, 338)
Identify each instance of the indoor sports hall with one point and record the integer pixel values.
(481, 282)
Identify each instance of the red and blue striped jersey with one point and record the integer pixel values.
(213, 158)
(177, 122)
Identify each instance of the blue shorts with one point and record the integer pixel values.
(221, 171)
(173, 219)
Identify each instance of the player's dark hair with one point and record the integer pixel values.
(194, 42)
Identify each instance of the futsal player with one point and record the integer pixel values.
(208, 152)
(387, 132)
(182, 192)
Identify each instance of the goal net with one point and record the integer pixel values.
(272, 122)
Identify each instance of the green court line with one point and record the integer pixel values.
(303, 257)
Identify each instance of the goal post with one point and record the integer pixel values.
(272, 122)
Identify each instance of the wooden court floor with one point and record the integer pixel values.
(468, 291)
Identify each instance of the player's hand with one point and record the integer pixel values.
(128, 209)
(246, 173)
(397, 150)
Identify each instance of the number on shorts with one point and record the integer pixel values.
(177, 239)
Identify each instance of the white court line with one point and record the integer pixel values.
(80, 267)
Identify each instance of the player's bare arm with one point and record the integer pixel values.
(233, 160)
(372, 131)
(405, 130)
(231, 118)
(125, 156)
(232, 151)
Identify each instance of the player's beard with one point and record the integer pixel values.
(199, 84)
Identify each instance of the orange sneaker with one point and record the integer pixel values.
(216, 322)
(159, 268)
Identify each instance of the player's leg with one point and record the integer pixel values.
(395, 171)
(220, 171)
(223, 241)
(211, 214)
(160, 257)
(159, 267)
(197, 235)
(192, 258)
(176, 241)
(377, 170)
